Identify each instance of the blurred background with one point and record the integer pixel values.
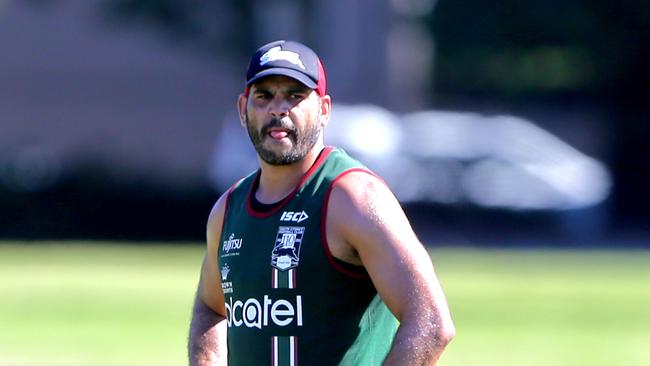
(515, 123)
(499, 126)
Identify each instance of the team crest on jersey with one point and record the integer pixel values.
(286, 251)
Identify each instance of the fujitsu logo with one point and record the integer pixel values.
(297, 216)
(255, 314)
(232, 243)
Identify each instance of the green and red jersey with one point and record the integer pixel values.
(288, 300)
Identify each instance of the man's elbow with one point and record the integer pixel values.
(445, 332)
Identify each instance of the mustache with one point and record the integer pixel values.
(275, 123)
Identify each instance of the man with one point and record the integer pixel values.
(310, 259)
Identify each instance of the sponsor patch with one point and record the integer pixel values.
(294, 216)
(231, 246)
(226, 285)
(254, 313)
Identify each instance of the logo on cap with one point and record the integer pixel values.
(276, 53)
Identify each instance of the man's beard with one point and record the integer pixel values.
(302, 141)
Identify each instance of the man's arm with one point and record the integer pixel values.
(365, 217)
(208, 329)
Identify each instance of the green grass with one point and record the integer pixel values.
(547, 307)
(95, 304)
(106, 304)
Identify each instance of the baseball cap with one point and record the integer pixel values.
(287, 58)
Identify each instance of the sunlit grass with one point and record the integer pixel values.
(109, 304)
(547, 307)
(96, 304)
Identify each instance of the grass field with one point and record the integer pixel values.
(91, 304)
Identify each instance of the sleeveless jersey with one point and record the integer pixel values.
(288, 301)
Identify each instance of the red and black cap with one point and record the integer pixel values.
(287, 58)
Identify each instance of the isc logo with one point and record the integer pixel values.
(294, 216)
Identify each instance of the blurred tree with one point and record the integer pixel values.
(533, 48)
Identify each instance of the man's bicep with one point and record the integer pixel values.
(372, 222)
(209, 290)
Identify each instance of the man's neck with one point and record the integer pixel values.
(277, 181)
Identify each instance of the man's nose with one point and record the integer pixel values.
(280, 107)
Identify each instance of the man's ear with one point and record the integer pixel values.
(241, 108)
(325, 109)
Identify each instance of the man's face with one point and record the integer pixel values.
(282, 119)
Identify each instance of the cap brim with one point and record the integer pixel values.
(304, 79)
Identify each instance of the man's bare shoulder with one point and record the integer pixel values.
(360, 193)
(364, 212)
(215, 219)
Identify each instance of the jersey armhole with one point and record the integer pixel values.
(225, 210)
(328, 254)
